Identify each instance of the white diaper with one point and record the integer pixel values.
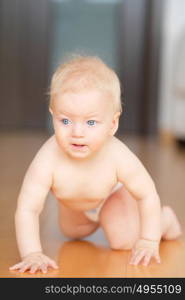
(93, 214)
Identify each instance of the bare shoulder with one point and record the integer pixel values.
(119, 148)
(47, 153)
(123, 156)
(49, 146)
(131, 171)
(41, 168)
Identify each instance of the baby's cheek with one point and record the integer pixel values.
(61, 140)
(98, 140)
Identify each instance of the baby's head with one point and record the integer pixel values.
(85, 103)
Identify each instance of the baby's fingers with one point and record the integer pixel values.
(17, 266)
(137, 257)
(147, 259)
(21, 267)
(52, 264)
(25, 267)
(34, 268)
(44, 268)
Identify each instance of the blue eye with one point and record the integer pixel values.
(91, 122)
(65, 121)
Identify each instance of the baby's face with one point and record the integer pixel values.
(83, 122)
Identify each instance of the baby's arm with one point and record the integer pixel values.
(138, 182)
(35, 187)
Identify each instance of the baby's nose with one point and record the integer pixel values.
(78, 130)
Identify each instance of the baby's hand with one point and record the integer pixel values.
(145, 250)
(36, 261)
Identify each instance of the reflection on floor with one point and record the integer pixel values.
(92, 256)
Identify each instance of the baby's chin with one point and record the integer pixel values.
(79, 154)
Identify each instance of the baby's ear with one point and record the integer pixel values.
(50, 110)
(115, 123)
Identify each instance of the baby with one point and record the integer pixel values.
(86, 167)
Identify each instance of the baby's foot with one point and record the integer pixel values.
(174, 229)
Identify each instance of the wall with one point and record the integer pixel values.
(84, 27)
(173, 22)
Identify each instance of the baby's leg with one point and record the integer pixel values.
(171, 227)
(75, 224)
(119, 218)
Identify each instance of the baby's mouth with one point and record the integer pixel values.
(78, 145)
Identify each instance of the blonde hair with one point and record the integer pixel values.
(86, 72)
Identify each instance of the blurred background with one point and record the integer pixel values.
(143, 40)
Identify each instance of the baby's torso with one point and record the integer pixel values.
(84, 187)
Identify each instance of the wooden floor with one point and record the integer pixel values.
(90, 257)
